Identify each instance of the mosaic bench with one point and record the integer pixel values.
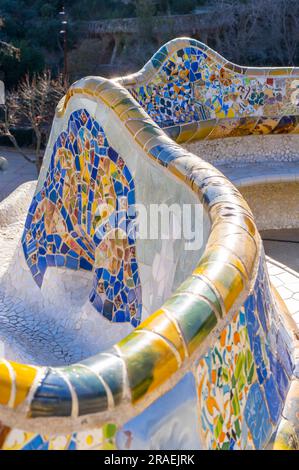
(111, 341)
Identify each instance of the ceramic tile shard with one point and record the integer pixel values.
(83, 218)
(242, 383)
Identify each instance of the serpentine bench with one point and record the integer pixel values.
(111, 341)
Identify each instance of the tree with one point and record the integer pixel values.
(33, 105)
(6, 49)
(145, 11)
(265, 31)
(11, 120)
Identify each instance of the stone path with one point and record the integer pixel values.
(283, 246)
(19, 171)
(253, 173)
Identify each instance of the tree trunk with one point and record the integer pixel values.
(39, 157)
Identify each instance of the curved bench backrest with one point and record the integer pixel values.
(83, 218)
(224, 323)
(194, 93)
(162, 346)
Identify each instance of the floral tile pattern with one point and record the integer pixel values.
(194, 84)
(242, 385)
(96, 439)
(83, 218)
(244, 377)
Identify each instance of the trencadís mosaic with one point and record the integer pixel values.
(193, 84)
(83, 218)
(222, 337)
(244, 378)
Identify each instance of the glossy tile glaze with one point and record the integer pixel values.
(81, 219)
(243, 380)
(224, 323)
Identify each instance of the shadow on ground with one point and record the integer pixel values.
(283, 246)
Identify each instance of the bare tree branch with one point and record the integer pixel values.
(33, 105)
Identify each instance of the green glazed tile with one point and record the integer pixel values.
(194, 316)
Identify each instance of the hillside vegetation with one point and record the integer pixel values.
(260, 32)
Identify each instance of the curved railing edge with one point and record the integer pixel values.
(153, 66)
(200, 130)
(157, 354)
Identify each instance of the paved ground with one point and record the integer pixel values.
(252, 173)
(19, 171)
(283, 246)
(286, 282)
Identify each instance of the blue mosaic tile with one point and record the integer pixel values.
(273, 399)
(261, 310)
(284, 355)
(281, 380)
(251, 320)
(257, 417)
(63, 229)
